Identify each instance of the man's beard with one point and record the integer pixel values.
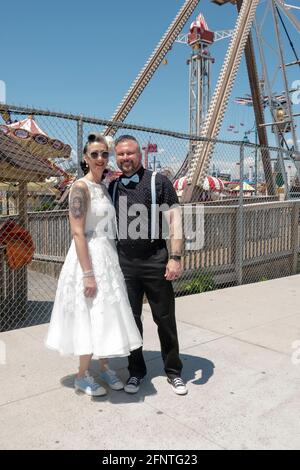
(129, 167)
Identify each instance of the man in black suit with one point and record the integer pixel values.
(144, 259)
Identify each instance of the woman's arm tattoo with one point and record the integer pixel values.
(78, 202)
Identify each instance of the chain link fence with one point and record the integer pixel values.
(242, 227)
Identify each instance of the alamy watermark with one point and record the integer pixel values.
(2, 92)
(2, 353)
(171, 222)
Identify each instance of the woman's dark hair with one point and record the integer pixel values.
(84, 167)
(93, 137)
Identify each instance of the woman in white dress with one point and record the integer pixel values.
(91, 313)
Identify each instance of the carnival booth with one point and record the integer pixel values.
(248, 190)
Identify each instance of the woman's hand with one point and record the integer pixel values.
(90, 286)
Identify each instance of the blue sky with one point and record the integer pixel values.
(81, 57)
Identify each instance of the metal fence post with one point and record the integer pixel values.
(295, 236)
(239, 246)
(256, 162)
(79, 146)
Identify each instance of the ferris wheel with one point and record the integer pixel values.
(267, 17)
(273, 30)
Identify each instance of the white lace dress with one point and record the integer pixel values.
(103, 325)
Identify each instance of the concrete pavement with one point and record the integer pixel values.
(240, 358)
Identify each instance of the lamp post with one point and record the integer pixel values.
(155, 165)
(246, 140)
(250, 174)
(238, 170)
(242, 157)
(289, 176)
(149, 148)
(154, 162)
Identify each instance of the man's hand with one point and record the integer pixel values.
(173, 270)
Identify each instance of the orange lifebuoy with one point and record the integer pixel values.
(19, 247)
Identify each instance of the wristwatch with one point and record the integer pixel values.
(175, 257)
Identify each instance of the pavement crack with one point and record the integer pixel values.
(28, 397)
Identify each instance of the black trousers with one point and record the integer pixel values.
(145, 274)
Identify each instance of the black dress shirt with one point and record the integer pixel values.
(134, 221)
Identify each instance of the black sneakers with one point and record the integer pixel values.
(178, 385)
(133, 384)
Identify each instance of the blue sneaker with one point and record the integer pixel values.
(88, 385)
(111, 379)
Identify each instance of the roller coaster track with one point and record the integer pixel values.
(152, 64)
(200, 160)
(258, 110)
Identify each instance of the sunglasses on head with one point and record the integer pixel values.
(95, 154)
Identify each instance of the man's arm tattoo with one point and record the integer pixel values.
(78, 203)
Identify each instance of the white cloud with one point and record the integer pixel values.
(290, 141)
(2, 92)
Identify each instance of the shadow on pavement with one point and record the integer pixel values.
(196, 370)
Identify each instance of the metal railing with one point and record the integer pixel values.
(248, 236)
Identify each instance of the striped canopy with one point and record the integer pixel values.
(199, 23)
(210, 184)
